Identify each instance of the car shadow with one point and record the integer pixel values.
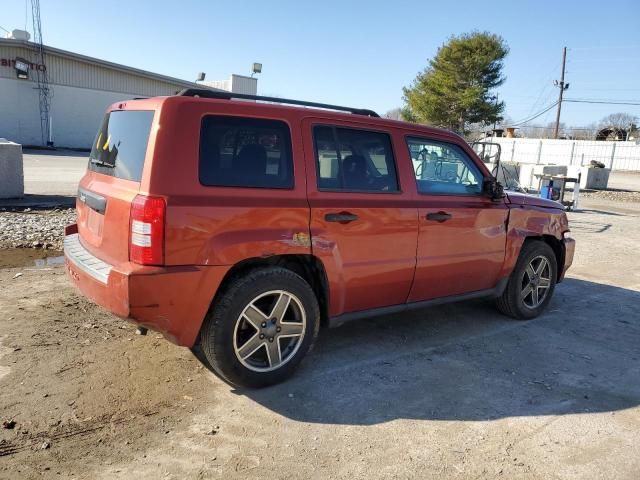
(589, 227)
(468, 362)
(604, 212)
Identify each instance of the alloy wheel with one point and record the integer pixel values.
(269, 331)
(536, 282)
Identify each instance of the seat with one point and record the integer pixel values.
(210, 171)
(354, 172)
(251, 164)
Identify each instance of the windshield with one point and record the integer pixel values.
(121, 144)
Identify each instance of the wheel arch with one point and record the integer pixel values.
(558, 249)
(530, 225)
(309, 267)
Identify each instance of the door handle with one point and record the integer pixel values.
(342, 217)
(439, 216)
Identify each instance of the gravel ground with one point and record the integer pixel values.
(34, 228)
(612, 195)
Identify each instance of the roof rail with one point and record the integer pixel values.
(206, 93)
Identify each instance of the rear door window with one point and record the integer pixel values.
(354, 160)
(120, 146)
(245, 152)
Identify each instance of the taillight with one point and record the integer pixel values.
(146, 241)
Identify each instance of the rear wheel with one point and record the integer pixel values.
(531, 283)
(261, 327)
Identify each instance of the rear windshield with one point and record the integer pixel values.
(121, 144)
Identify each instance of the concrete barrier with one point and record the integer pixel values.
(11, 173)
(596, 178)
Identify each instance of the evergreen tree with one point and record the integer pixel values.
(455, 88)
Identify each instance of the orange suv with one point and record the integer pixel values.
(243, 226)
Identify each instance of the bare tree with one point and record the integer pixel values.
(544, 131)
(585, 133)
(531, 131)
(619, 120)
(506, 121)
(394, 114)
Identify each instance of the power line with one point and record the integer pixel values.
(542, 99)
(606, 102)
(564, 128)
(562, 85)
(2, 28)
(605, 48)
(542, 112)
(600, 60)
(607, 99)
(522, 123)
(610, 89)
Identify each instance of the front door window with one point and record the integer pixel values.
(443, 168)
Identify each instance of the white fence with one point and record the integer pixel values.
(614, 155)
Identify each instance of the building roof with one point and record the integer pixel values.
(101, 63)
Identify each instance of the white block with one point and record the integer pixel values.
(11, 173)
(553, 169)
(596, 178)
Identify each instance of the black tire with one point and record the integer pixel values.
(218, 335)
(511, 302)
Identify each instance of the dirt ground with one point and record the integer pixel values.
(457, 391)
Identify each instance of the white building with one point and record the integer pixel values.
(82, 88)
(236, 84)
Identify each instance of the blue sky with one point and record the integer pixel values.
(360, 53)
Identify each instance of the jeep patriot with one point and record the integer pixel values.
(242, 227)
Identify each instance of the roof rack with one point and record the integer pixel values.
(206, 93)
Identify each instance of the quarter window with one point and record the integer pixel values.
(354, 160)
(245, 152)
(443, 168)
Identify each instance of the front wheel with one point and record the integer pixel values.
(261, 327)
(531, 283)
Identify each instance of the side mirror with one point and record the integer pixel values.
(493, 188)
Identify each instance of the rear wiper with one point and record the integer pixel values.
(102, 163)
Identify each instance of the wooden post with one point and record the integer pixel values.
(562, 87)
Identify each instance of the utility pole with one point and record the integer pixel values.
(562, 87)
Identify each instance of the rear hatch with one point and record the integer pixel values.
(112, 182)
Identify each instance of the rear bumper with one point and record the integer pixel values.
(569, 249)
(169, 300)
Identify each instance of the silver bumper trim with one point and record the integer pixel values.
(88, 263)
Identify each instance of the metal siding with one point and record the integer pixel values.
(81, 92)
(75, 73)
(246, 85)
